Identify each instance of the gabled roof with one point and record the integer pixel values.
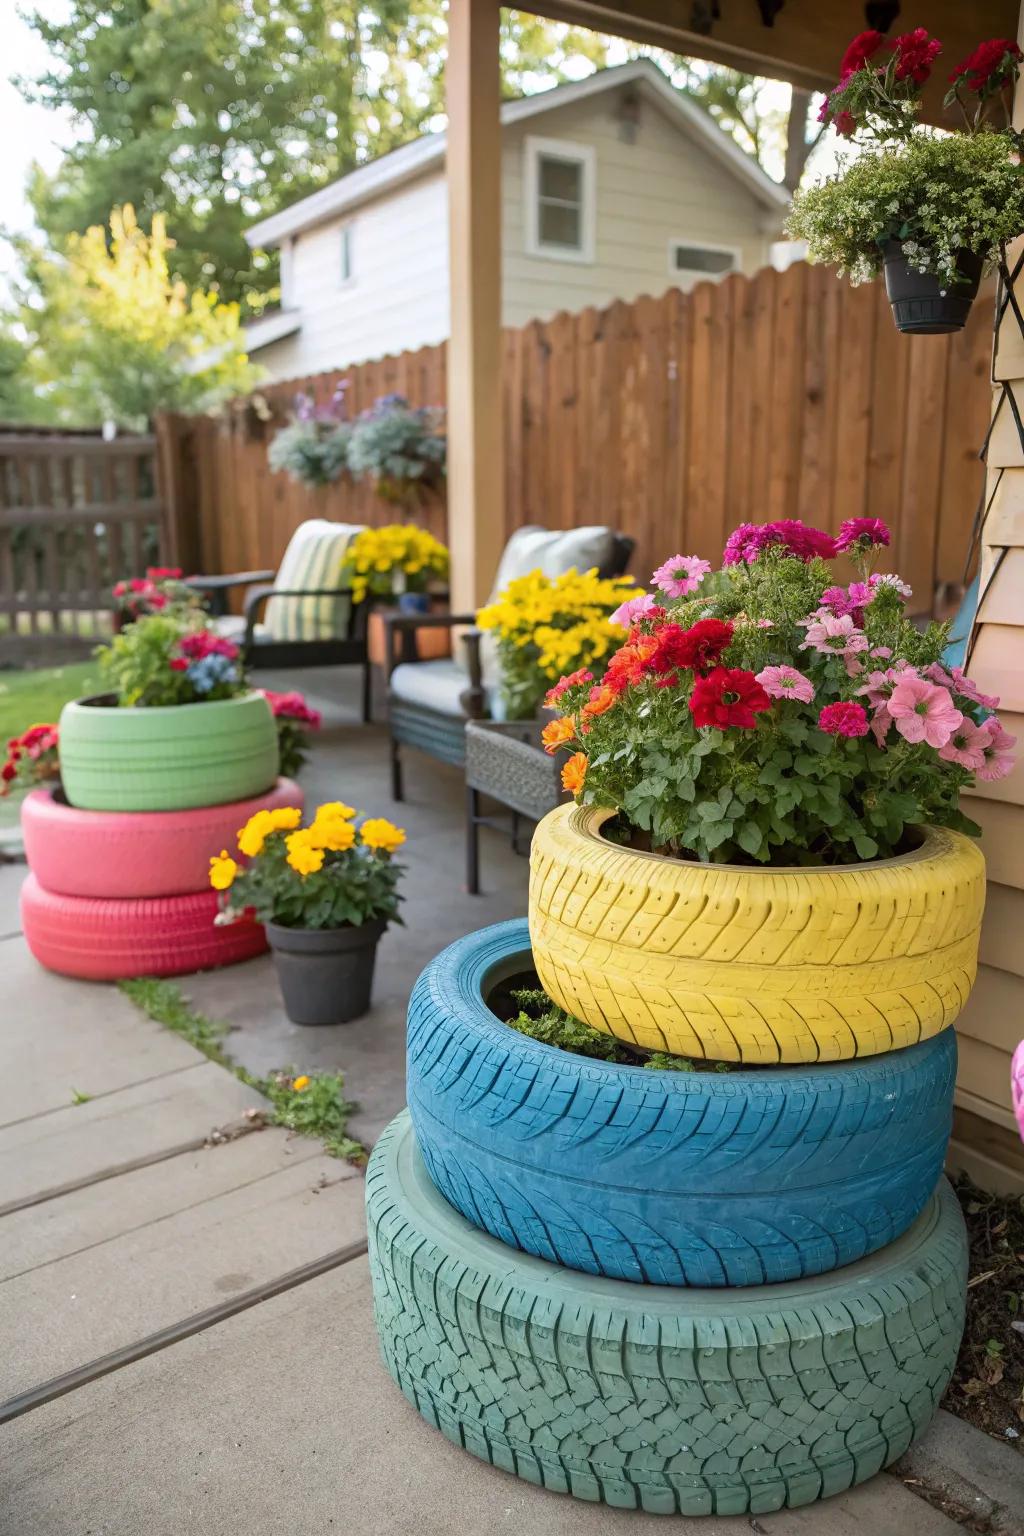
(428, 152)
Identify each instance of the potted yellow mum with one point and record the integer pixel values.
(326, 892)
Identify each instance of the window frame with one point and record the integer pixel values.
(720, 248)
(535, 150)
(346, 245)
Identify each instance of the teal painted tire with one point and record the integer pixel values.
(171, 759)
(692, 1402)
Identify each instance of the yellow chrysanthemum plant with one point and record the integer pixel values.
(336, 871)
(547, 626)
(385, 562)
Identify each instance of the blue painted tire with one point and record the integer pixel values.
(669, 1178)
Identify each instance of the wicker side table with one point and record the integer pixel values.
(505, 761)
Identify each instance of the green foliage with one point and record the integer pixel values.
(19, 403)
(543, 1020)
(116, 337)
(137, 666)
(937, 195)
(317, 1107)
(311, 451)
(401, 450)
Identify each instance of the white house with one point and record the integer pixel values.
(613, 186)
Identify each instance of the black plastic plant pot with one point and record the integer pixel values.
(325, 974)
(924, 304)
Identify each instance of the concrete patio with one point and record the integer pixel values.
(185, 1329)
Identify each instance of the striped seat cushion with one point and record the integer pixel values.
(314, 557)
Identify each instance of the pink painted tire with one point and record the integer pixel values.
(109, 940)
(127, 854)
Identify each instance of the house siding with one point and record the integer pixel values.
(661, 186)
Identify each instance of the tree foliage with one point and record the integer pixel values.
(115, 336)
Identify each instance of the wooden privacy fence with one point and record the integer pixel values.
(76, 514)
(674, 419)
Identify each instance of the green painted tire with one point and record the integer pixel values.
(692, 1402)
(170, 759)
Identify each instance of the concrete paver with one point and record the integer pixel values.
(60, 1035)
(283, 1419)
(11, 876)
(62, 1315)
(151, 1119)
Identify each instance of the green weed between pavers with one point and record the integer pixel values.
(311, 1104)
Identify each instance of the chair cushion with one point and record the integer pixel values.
(434, 685)
(231, 626)
(553, 551)
(314, 557)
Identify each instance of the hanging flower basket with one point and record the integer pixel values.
(923, 304)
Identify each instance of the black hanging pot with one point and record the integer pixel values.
(325, 974)
(924, 304)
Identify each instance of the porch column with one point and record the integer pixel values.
(993, 1021)
(475, 469)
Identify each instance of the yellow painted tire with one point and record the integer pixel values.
(754, 965)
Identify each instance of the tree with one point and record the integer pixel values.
(117, 337)
(19, 404)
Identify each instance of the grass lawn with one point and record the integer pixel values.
(37, 697)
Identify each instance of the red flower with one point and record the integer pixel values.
(700, 646)
(8, 771)
(916, 52)
(994, 62)
(178, 664)
(163, 572)
(728, 696)
(203, 642)
(864, 47)
(291, 706)
(843, 719)
(845, 125)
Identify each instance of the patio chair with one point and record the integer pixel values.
(429, 702)
(297, 616)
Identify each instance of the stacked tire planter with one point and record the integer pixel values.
(686, 1292)
(119, 857)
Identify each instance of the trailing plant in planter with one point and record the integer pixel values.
(326, 893)
(929, 209)
(32, 759)
(544, 625)
(313, 447)
(401, 449)
(294, 720)
(396, 559)
(769, 717)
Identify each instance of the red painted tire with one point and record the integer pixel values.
(127, 854)
(108, 940)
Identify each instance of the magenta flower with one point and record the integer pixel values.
(966, 746)
(786, 683)
(998, 753)
(862, 533)
(922, 711)
(843, 719)
(680, 575)
(751, 540)
(632, 609)
(1017, 1086)
(833, 635)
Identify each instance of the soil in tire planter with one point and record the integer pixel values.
(672, 1178)
(675, 1402)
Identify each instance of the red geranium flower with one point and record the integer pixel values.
(864, 46)
(916, 52)
(728, 696)
(995, 60)
(845, 125)
(701, 645)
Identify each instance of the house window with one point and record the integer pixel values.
(685, 259)
(559, 184)
(346, 270)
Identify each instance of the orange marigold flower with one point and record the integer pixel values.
(574, 772)
(557, 732)
(600, 699)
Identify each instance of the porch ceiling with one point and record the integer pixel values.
(805, 41)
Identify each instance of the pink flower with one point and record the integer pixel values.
(880, 723)
(292, 706)
(878, 686)
(936, 673)
(843, 719)
(895, 582)
(833, 635)
(680, 575)
(966, 745)
(750, 540)
(922, 711)
(632, 609)
(998, 753)
(968, 690)
(786, 683)
(862, 533)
